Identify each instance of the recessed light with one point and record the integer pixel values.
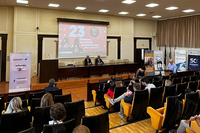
(103, 10)
(128, 1)
(54, 5)
(123, 13)
(156, 16)
(141, 15)
(80, 8)
(22, 1)
(188, 10)
(171, 8)
(152, 5)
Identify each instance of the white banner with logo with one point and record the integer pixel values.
(20, 72)
(158, 62)
(180, 60)
(193, 60)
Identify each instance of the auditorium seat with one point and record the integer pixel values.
(112, 62)
(35, 103)
(166, 117)
(35, 95)
(193, 78)
(157, 78)
(14, 122)
(172, 76)
(191, 105)
(56, 92)
(41, 117)
(65, 127)
(61, 64)
(75, 110)
(165, 77)
(155, 97)
(194, 127)
(126, 83)
(62, 98)
(158, 83)
(30, 130)
(97, 123)
(21, 95)
(168, 91)
(180, 89)
(1, 104)
(185, 79)
(176, 80)
(117, 92)
(126, 61)
(118, 61)
(193, 85)
(139, 104)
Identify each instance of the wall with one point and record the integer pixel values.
(6, 27)
(21, 23)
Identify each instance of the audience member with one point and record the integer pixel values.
(88, 61)
(47, 100)
(81, 129)
(139, 73)
(14, 106)
(185, 124)
(171, 66)
(98, 61)
(51, 87)
(147, 84)
(57, 113)
(110, 92)
(127, 94)
(168, 82)
(112, 79)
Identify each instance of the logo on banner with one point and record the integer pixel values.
(193, 60)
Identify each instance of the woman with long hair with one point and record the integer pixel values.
(15, 105)
(47, 100)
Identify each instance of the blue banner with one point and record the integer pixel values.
(193, 60)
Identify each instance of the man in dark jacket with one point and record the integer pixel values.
(51, 87)
(98, 61)
(88, 61)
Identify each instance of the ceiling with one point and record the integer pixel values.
(116, 6)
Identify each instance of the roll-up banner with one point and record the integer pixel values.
(148, 55)
(158, 62)
(180, 60)
(193, 60)
(20, 72)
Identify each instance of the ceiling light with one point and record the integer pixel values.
(128, 1)
(171, 8)
(22, 1)
(152, 5)
(123, 13)
(141, 15)
(156, 16)
(80, 8)
(103, 10)
(54, 5)
(188, 10)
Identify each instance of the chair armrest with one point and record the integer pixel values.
(194, 126)
(189, 131)
(108, 104)
(156, 117)
(29, 108)
(94, 95)
(127, 108)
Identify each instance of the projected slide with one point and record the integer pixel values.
(79, 40)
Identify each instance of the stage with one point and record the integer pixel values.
(76, 86)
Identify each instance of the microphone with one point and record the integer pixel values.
(49, 56)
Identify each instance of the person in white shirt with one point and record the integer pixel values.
(147, 84)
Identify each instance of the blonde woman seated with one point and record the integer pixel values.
(57, 113)
(14, 106)
(47, 100)
(81, 129)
